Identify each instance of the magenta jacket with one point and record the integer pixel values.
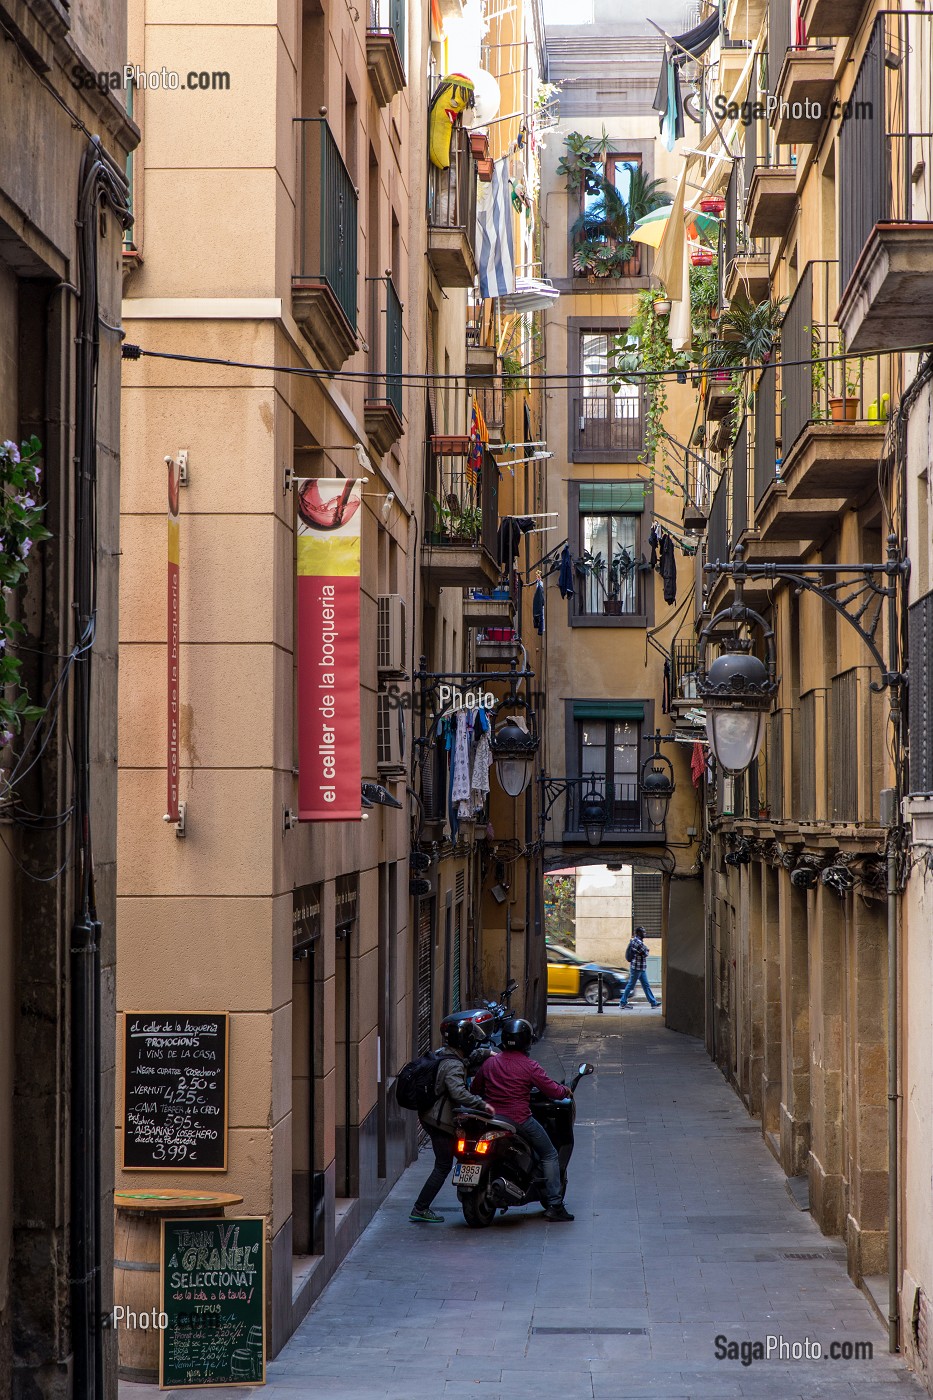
(506, 1080)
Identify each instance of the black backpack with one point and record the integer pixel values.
(630, 950)
(416, 1084)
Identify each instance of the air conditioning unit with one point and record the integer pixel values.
(391, 636)
(390, 737)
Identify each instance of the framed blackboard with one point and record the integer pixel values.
(213, 1295)
(175, 1091)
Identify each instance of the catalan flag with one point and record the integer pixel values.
(479, 436)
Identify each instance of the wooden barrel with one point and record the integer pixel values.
(136, 1246)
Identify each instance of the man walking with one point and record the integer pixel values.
(637, 956)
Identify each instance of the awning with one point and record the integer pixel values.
(608, 709)
(618, 497)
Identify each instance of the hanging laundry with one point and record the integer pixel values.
(666, 690)
(460, 767)
(511, 529)
(654, 536)
(668, 569)
(482, 762)
(565, 577)
(537, 608)
(697, 764)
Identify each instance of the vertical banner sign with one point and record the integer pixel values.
(328, 638)
(172, 814)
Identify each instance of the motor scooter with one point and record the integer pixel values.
(496, 1169)
(488, 1017)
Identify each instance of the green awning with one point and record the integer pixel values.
(608, 709)
(620, 497)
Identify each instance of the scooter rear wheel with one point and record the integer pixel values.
(478, 1209)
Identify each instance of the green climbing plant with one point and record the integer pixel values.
(20, 528)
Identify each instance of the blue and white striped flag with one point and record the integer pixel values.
(495, 252)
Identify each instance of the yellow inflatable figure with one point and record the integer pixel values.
(454, 94)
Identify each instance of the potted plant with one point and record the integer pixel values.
(619, 571)
(479, 144)
(844, 409)
(662, 306)
(484, 169)
(580, 165)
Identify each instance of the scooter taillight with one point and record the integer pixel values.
(486, 1142)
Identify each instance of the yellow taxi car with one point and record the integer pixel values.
(573, 977)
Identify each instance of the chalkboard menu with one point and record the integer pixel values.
(212, 1289)
(175, 1091)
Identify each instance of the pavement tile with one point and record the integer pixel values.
(682, 1219)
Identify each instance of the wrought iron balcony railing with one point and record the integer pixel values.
(388, 17)
(886, 136)
(327, 216)
(622, 802)
(452, 192)
(461, 500)
(609, 426)
(816, 387)
(385, 344)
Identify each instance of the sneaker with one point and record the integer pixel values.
(623, 1005)
(557, 1214)
(425, 1217)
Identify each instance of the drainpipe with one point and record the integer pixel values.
(893, 1318)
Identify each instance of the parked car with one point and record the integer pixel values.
(570, 976)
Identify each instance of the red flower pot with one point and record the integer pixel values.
(479, 144)
(703, 259)
(714, 205)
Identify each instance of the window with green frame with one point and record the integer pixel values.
(610, 514)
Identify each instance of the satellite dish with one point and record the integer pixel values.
(487, 98)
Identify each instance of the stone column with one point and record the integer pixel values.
(866, 1224)
(771, 1050)
(795, 1013)
(827, 976)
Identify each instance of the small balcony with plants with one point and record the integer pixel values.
(452, 214)
(461, 514)
(612, 194)
(745, 262)
(385, 48)
(883, 162)
(835, 405)
(383, 405)
(324, 285)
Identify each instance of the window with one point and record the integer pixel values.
(601, 234)
(608, 755)
(609, 584)
(608, 425)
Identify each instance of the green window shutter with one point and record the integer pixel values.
(608, 709)
(616, 497)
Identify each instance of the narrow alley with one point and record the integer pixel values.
(684, 1232)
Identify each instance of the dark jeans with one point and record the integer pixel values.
(533, 1133)
(633, 980)
(443, 1145)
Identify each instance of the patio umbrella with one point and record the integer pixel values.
(650, 229)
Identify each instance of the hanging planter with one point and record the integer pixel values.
(479, 144)
(450, 445)
(662, 306)
(484, 169)
(714, 205)
(703, 257)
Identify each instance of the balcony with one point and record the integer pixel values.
(461, 517)
(834, 410)
(483, 610)
(385, 48)
(772, 199)
(324, 288)
(608, 427)
(482, 361)
(492, 406)
(804, 93)
(718, 395)
(832, 19)
(745, 265)
(383, 404)
(743, 18)
(452, 215)
(626, 819)
(885, 154)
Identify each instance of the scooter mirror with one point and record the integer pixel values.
(586, 1069)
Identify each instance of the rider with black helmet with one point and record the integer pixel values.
(507, 1081)
(460, 1040)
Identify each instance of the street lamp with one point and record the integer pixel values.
(514, 750)
(593, 816)
(657, 782)
(737, 693)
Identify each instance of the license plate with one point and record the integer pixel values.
(467, 1175)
